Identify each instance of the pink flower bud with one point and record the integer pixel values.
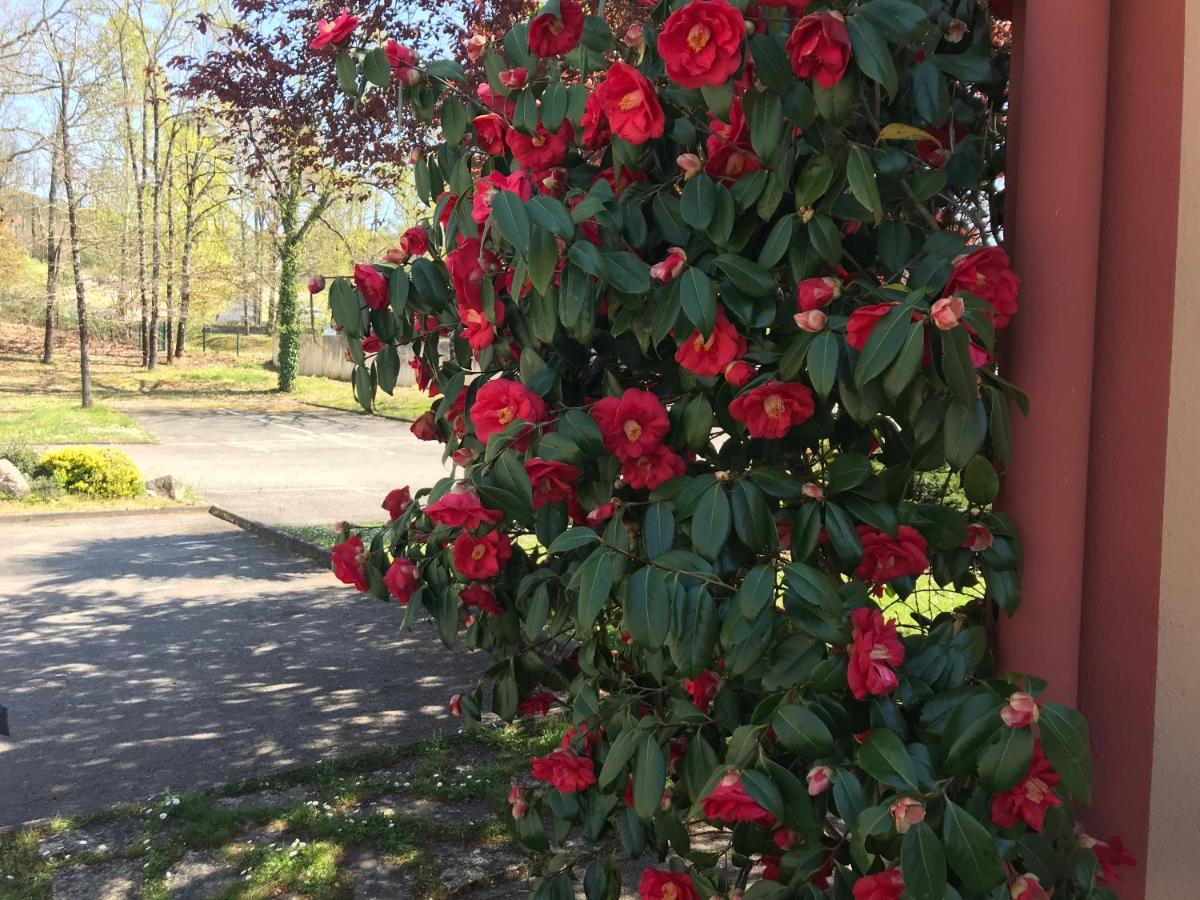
(514, 78)
(456, 705)
(602, 513)
(812, 321)
(516, 799)
(476, 44)
(690, 164)
(813, 491)
(820, 779)
(462, 456)
(907, 812)
(814, 293)
(947, 312)
(1027, 887)
(396, 256)
(316, 284)
(635, 37)
(979, 537)
(670, 267)
(1020, 711)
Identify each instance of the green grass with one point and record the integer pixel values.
(316, 836)
(55, 419)
(325, 536)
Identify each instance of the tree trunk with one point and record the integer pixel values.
(52, 251)
(289, 327)
(155, 233)
(85, 368)
(168, 179)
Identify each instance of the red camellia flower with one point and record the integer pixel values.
(596, 130)
(671, 265)
(396, 502)
(489, 133)
(566, 770)
(551, 35)
(886, 557)
(502, 401)
(773, 408)
(1029, 799)
(541, 150)
(632, 424)
(425, 428)
(820, 779)
(630, 104)
(479, 331)
(371, 344)
(874, 650)
(401, 579)
(481, 597)
(1111, 855)
(819, 48)
(552, 481)
(730, 151)
(333, 32)
(979, 537)
(740, 373)
(814, 293)
(347, 559)
(711, 355)
(514, 79)
(480, 558)
(402, 61)
(657, 884)
(466, 265)
(657, 465)
(373, 286)
(730, 803)
(536, 704)
(862, 323)
(414, 242)
(986, 274)
(887, 885)
(462, 509)
(702, 689)
(486, 188)
(701, 43)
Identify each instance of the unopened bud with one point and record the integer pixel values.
(813, 491)
(749, 28)
(690, 164)
(806, 214)
(946, 312)
(812, 321)
(635, 37)
(316, 284)
(956, 31)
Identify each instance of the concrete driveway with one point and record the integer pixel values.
(140, 653)
(288, 468)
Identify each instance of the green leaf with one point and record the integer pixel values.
(980, 482)
(595, 586)
(698, 299)
(970, 850)
(756, 592)
(957, 367)
(847, 472)
(508, 212)
(698, 203)
(765, 114)
(1064, 734)
(619, 754)
(387, 367)
(823, 362)
(658, 529)
(649, 777)
(861, 175)
(897, 19)
(454, 121)
(627, 273)
(907, 362)
(554, 105)
(874, 820)
(871, 53)
(802, 731)
(748, 277)
(347, 73)
(965, 429)
(812, 586)
(573, 539)
(884, 344)
(884, 757)
(648, 608)
(826, 238)
(963, 66)
(775, 247)
(815, 179)
(771, 63)
(711, 522)
(543, 259)
(1006, 759)
(930, 94)
(924, 863)
(694, 629)
(377, 68)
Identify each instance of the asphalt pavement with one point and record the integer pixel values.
(309, 468)
(145, 652)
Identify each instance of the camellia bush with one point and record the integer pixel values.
(709, 313)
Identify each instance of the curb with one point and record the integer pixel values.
(356, 412)
(97, 514)
(274, 536)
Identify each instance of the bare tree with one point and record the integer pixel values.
(66, 79)
(53, 249)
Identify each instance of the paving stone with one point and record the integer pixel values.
(475, 867)
(375, 878)
(108, 837)
(116, 880)
(199, 875)
(289, 797)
